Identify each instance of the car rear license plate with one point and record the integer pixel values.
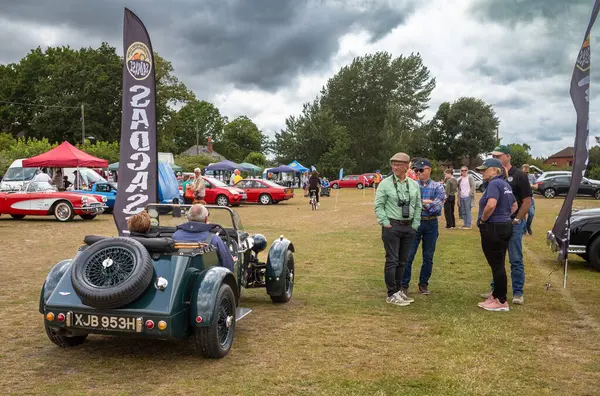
(104, 322)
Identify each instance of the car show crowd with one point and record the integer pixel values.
(408, 204)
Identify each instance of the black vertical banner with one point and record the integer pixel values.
(138, 164)
(580, 85)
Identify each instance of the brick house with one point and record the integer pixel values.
(205, 150)
(563, 158)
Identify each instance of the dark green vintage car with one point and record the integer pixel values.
(152, 286)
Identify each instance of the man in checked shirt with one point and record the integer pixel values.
(432, 197)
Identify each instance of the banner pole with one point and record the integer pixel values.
(567, 254)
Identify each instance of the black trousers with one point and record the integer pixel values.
(397, 241)
(494, 243)
(449, 211)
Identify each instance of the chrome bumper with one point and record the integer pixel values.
(92, 209)
(576, 249)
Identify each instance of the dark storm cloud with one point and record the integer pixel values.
(260, 44)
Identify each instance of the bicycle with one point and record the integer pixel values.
(313, 200)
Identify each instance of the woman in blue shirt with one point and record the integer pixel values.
(495, 226)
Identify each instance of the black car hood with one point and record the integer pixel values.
(586, 213)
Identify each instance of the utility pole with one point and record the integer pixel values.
(82, 124)
(197, 139)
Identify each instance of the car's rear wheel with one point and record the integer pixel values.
(597, 194)
(17, 217)
(289, 280)
(359, 186)
(63, 211)
(112, 273)
(335, 186)
(88, 216)
(222, 200)
(62, 340)
(549, 193)
(481, 188)
(215, 341)
(265, 199)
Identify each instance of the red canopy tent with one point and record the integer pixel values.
(65, 156)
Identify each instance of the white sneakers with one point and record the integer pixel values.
(399, 298)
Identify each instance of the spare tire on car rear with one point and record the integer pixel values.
(112, 273)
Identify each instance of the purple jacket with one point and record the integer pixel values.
(194, 231)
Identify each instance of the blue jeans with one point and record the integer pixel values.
(464, 210)
(428, 231)
(530, 215)
(515, 257)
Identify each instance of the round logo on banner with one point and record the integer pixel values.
(139, 60)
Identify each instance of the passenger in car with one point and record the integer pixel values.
(139, 224)
(197, 229)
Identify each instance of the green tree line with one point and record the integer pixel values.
(41, 98)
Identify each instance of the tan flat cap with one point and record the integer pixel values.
(400, 157)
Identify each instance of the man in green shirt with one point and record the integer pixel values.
(398, 210)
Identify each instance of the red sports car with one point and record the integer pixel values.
(42, 199)
(219, 193)
(351, 181)
(264, 191)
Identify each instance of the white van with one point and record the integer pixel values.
(16, 176)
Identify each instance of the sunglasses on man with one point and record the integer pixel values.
(420, 170)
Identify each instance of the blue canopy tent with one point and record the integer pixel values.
(226, 165)
(296, 165)
(222, 170)
(282, 169)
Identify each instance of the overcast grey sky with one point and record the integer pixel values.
(264, 58)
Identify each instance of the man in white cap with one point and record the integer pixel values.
(398, 210)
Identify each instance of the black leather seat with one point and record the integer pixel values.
(154, 245)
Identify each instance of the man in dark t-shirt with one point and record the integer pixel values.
(522, 191)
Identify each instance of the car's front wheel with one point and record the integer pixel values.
(597, 194)
(288, 288)
(62, 340)
(594, 254)
(481, 188)
(63, 211)
(222, 200)
(549, 193)
(335, 186)
(215, 340)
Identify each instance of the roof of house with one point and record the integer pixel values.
(568, 152)
(203, 150)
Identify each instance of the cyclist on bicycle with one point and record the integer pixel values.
(313, 185)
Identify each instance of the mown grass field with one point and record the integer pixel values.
(337, 336)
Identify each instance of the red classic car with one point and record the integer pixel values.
(352, 181)
(219, 193)
(264, 191)
(42, 199)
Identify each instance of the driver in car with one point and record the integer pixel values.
(197, 229)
